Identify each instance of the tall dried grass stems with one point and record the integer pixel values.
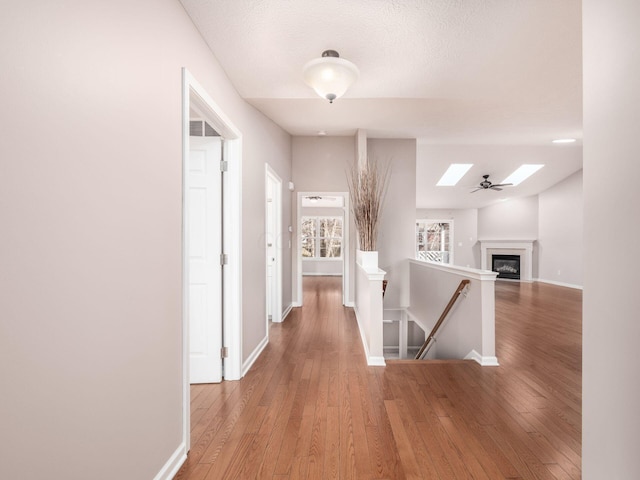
(367, 188)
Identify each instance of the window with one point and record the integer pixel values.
(434, 240)
(321, 237)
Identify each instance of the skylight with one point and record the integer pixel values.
(453, 174)
(522, 173)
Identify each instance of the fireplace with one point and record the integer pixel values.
(507, 266)
(521, 248)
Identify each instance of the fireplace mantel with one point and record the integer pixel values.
(524, 248)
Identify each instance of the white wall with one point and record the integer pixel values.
(515, 219)
(396, 240)
(466, 251)
(91, 208)
(320, 165)
(611, 330)
(560, 233)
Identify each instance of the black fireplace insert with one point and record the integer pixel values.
(507, 266)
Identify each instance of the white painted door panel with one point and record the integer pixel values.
(204, 244)
(273, 217)
(270, 238)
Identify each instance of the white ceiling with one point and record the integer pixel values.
(474, 72)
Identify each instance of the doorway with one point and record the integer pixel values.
(226, 237)
(273, 245)
(326, 212)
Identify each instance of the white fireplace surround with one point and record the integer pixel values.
(523, 248)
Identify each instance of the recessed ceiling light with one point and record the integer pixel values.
(563, 140)
(322, 133)
(453, 174)
(522, 173)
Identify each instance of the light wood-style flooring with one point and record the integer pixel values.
(310, 407)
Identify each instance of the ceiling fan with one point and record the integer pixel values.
(487, 185)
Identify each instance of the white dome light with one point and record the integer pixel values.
(330, 76)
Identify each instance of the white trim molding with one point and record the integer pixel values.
(169, 469)
(254, 355)
(286, 312)
(559, 284)
(484, 361)
(196, 97)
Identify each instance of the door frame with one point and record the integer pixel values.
(195, 97)
(346, 248)
(270, 174)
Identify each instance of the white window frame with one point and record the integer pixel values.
(451, 236)
(318, 238)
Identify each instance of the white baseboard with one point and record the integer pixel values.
(296, 304)
(350, 304)
(395, 348)
(484, 361)
(371, 360)
(286, 312)
(254, 355)
(560, 284)
(376, 361)
(316, 274)
(169, 470)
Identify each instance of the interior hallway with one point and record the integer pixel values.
(310, 407)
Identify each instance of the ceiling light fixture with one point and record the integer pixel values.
(522, 173)
(564, 140)
(453, 174)
(330, 76)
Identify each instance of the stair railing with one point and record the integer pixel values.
(431, 337)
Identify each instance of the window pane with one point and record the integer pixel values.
(331, 227)
(330, 247)
(433, 241)
(308, 227)
(308, 247)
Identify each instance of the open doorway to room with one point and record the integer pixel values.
(323, 247)
(211, 280)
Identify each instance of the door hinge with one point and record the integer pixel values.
(224, 166)
(224, 259)
(224, 352)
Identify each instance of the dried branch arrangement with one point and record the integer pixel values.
(367, 188)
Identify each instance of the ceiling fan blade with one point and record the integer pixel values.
(473, 191)
(502, 184)
(495, 188)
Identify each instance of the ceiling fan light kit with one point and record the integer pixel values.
(487, 185)
(330, 76)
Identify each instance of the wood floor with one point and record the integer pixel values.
(311, 408)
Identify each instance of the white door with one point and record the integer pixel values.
(273, 222)
(271, 250)
(204, 243)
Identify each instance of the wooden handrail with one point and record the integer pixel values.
(427, 343)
